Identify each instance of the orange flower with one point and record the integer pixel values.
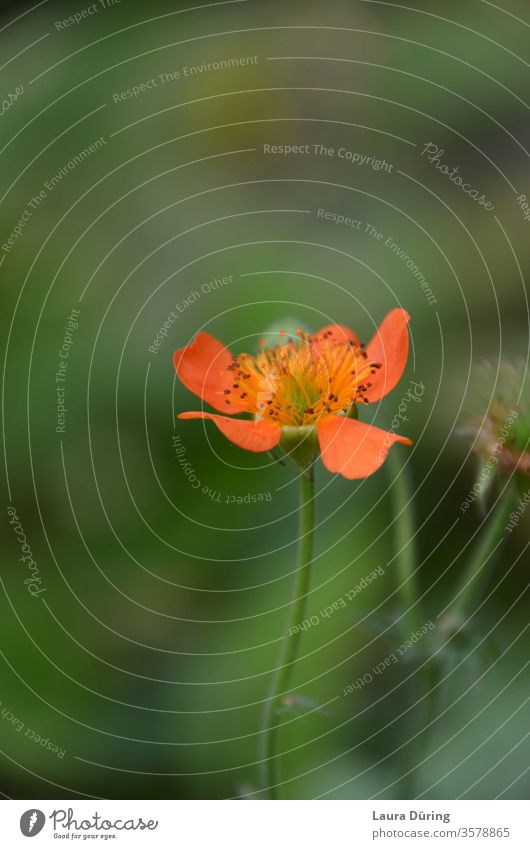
(302, 390)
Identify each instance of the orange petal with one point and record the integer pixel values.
(352, 448)
(390, 347)
(203, 369)
(246, 433)
(334, 333)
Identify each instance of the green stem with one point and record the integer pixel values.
(481, 558)
(419, 748)
(470, 585)
(289, 648)
(405, 560)
(473, 577)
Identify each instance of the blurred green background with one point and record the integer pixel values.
(147, 658)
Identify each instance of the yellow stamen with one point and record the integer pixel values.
(298, 383)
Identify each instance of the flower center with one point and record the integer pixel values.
(299, 383)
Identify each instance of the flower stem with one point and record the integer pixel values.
(418, 748)
(481, 558)
(470, 587)
(405, 559)
(269, 758)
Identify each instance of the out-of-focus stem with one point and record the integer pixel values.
(477, 568)
(471, 585)
(405, 560)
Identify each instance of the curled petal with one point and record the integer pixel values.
(334, 333)
(389, 347)
(245, 433)
(203, 369)
(352, 448)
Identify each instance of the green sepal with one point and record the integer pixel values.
(300, 444)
